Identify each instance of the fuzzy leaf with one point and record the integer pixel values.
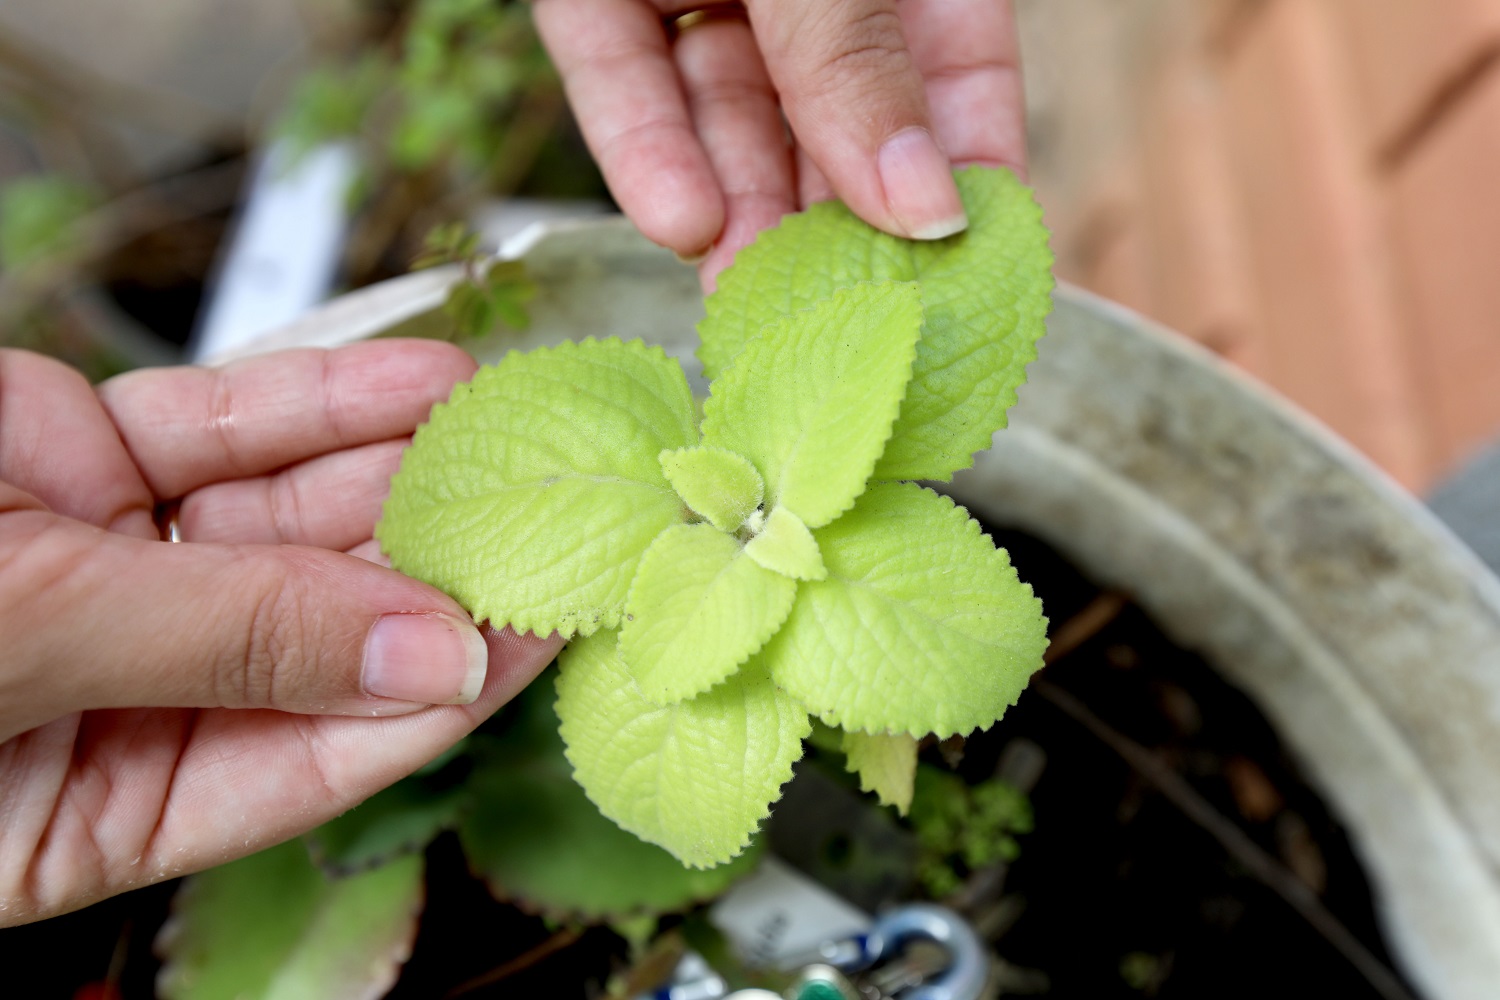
(532, 493)
(784, 545)
(921, 626)
(271, 927)
(698, 609)
(536, 838)
(886, 765)
(696, 777)
(810, 400)
(985, 293)
(718, 484)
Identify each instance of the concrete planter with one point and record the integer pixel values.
(1365, 632)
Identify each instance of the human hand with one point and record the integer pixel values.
(880, 96)
(167, 707)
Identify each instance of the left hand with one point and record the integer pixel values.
(168, 707)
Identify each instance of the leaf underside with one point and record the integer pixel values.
(532, 494)
(271, 927)
(986, 293)
(696, 777)
(921, 626)
(810, 400)
(698, 609)
(402, 819)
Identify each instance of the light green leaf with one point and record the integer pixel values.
(536, 838)
(697, 610)
(810, 400)
(785, 545)
(985, 292)
(886, 765)
(532, 493)
(271, 927)
(696, 777)
(921, 626)
(718, 484)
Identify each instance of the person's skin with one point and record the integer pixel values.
(291, 680)
(879, 95)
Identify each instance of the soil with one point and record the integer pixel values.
(1116, 894)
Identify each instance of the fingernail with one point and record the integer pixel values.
(694, 259)
(432, 659)
(919, 186)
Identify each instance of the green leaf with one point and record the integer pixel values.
(958, 824)
(784, 545)
(332, 103)
(536, 838)
(531, 495)
(921, 626)
(447, 243)
(399, 820)
(697, 610)
(497, 298)
(810, 400)
(39, 218)
(985, 293)
(271, 927)
(886, 765)
(696, 777)
(717, 484)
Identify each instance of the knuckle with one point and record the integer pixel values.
(285, 504)
(270, 663)
(221, 412)
(870, 46)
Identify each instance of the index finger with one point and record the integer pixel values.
(188, 427)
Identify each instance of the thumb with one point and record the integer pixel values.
(858, 107)
(99, 620)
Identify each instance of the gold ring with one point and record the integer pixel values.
(165, 517)
(730, 10)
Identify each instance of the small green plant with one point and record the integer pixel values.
(493, 293)
(962, 828)
(722, 581)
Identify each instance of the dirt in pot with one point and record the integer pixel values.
(1178, 850)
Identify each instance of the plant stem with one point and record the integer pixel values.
(557, 942)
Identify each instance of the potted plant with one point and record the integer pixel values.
(1362, 629)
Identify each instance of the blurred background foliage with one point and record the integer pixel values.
(108, 239)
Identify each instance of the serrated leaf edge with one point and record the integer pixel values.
(1032, 318)
(573, 624)
(749, 836)
(831, 717)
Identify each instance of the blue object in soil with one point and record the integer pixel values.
(963, 979)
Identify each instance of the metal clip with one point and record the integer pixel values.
(968, 966)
